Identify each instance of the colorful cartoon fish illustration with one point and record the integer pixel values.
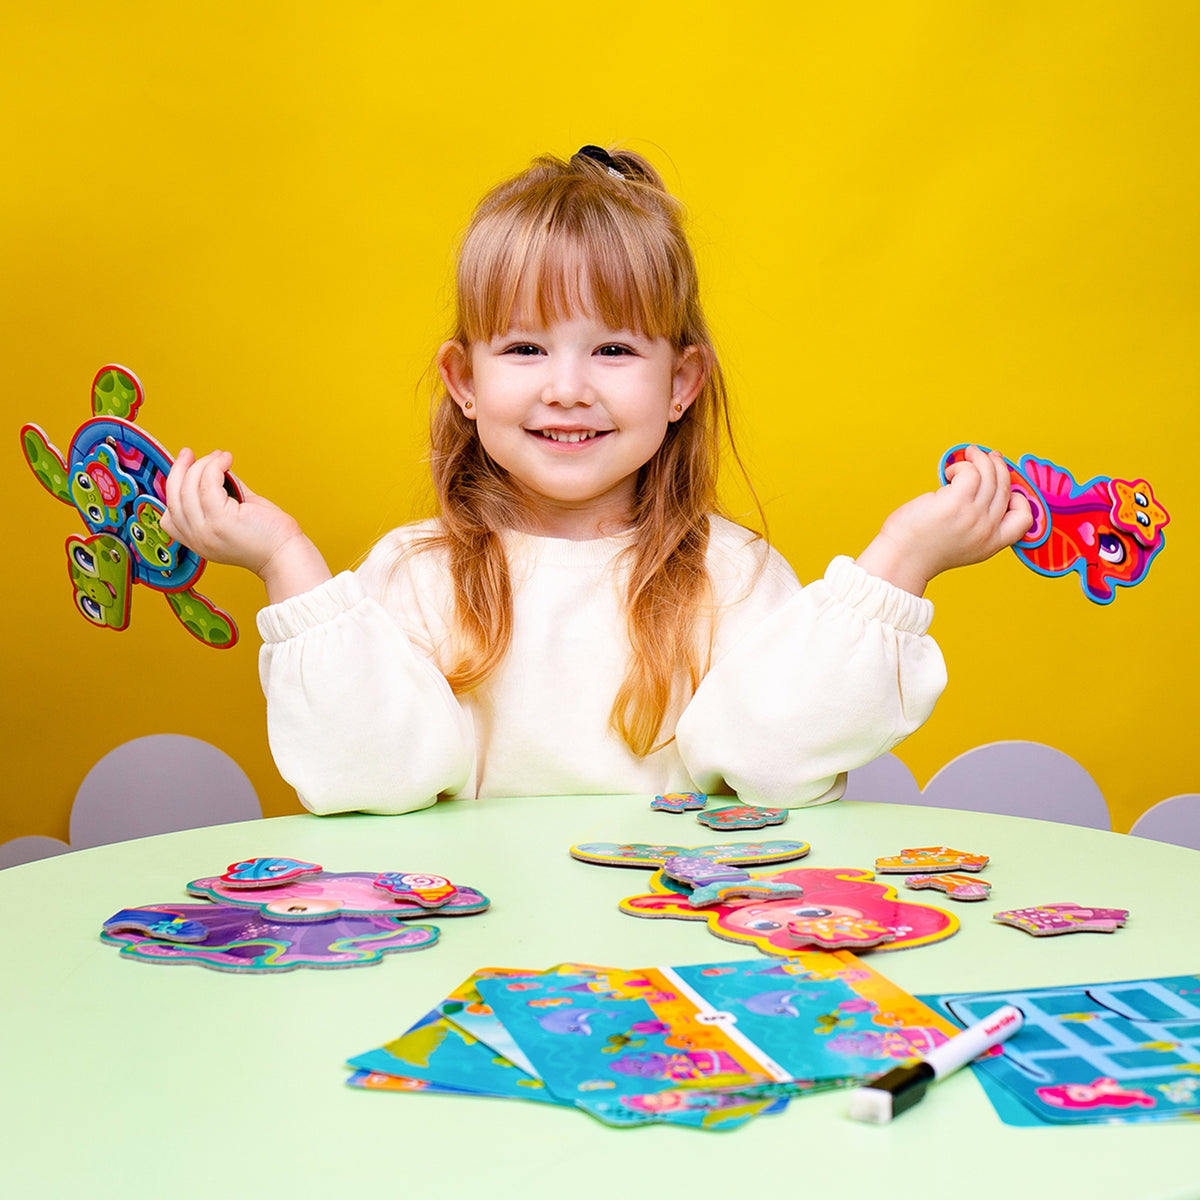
(570, 1020)
(1107, 530)
(774, 1004)
(1100, 1093)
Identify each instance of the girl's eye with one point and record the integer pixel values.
(613, 349)
(523, 349)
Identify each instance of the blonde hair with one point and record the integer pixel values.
(559, 239)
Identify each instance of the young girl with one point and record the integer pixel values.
(579, 619)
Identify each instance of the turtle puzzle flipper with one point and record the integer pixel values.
(116, 392)
(203, 620)
(46, 463)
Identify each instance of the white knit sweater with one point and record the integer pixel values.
(805, 683)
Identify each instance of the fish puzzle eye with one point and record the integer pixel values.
(163, 557)
(83, 559)
(763, 925)
(1112, 549)
(137, 532)
(84, 481)
(90, 609)
(812, 911)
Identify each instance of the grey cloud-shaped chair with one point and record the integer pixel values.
(1018, 779)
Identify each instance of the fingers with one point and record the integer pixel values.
(1017, 520)
(175, 477)
(195, 494)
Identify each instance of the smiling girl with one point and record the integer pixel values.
(579, 618)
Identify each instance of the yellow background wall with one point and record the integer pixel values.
(918, 223)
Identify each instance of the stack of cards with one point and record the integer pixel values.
(708, 1046)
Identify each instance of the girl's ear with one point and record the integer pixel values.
(454, 366)
(691, 370)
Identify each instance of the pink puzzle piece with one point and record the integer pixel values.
(1046, 920)
(350, 892)
(957, 887)
(931, 860)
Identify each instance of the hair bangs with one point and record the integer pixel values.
(567, 253)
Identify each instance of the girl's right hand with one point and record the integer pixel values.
(974, 515)
(251, 533)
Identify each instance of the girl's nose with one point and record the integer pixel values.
(567, 387)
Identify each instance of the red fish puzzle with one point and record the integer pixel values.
(1107, 530)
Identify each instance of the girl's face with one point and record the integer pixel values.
(572, 412)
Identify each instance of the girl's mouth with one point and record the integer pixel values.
(569, 437)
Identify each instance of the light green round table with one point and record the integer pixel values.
(129, 1079)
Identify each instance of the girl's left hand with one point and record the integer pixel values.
(974, 515)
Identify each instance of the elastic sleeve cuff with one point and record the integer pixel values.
(876, 599)
(291, 617)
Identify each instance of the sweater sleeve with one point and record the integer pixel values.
(814, 682)
(357, 717)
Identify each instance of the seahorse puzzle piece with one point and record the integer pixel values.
(655, 854)
(1107, 530)
(712, 883)
(429, 891)
(957, 887)
(930, 860)
(827, 897)
(114, 475)
(1048, 920)
(155, 923)
(252, 873)
(742, 816)
(840, 932)
(678, 802)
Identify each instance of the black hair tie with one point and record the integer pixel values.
(599, 155)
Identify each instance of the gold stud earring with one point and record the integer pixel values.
(469, 404)
(679, 408)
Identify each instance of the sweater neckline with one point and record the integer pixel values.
(566, 551)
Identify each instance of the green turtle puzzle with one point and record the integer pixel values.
(114, 475)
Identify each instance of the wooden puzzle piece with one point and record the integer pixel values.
(931, 860)
(742, 816)
(241, 940)
(429, 891)
(155, 923)
(332, 892)
(1107, 530)
(849, 893)
(256, 873)
(711, 882)
(114, 475)
(655, 854)
(1048, 920)
(678, 802)
(840, 932)
(957, 887)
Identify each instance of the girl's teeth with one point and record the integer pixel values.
(557, 435)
